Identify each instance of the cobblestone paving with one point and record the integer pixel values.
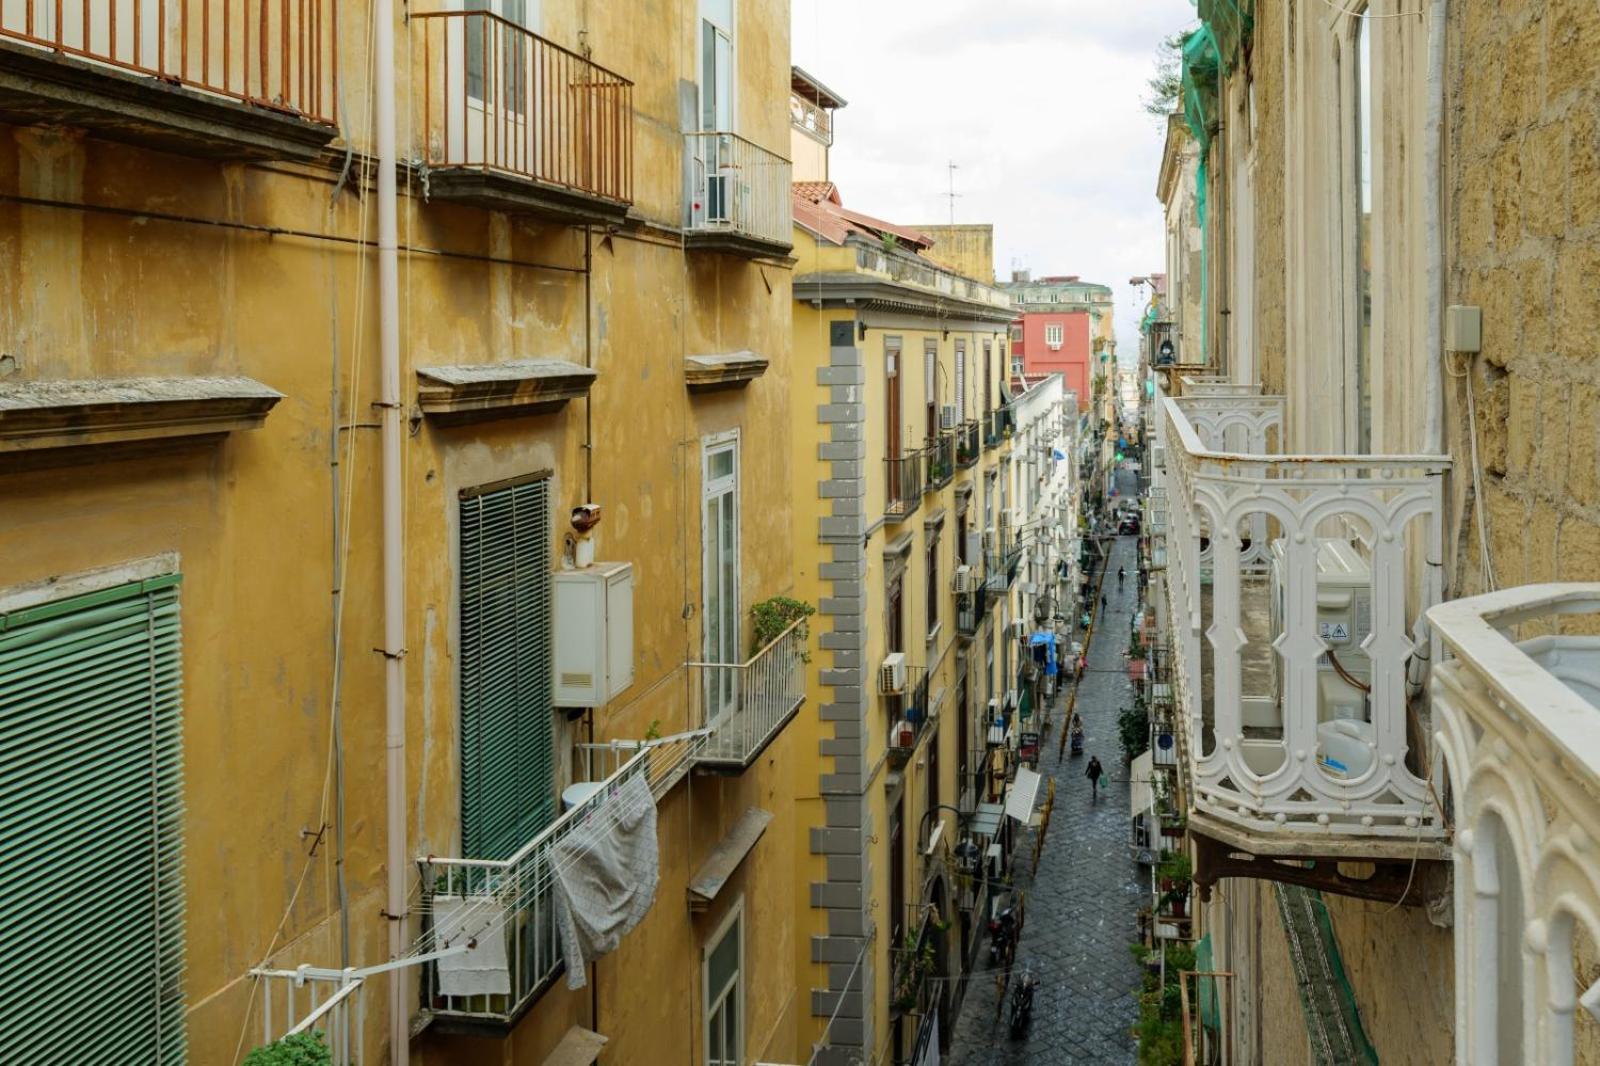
(1080, 909)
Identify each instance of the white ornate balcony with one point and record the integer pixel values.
(1290, 591)
(1517, 713)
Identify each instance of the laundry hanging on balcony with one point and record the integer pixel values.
(605, 876)
(1043, 646)
(480, 921)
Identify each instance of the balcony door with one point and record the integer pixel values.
(720, 570)
(492, 108)
(891, 431)
(721, 189)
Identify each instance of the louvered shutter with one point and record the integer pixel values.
(507, 759)
(961, 382)
(91, 819)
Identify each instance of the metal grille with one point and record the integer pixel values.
(91, 793)
(507, 764)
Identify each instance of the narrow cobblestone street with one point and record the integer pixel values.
(1080, 907)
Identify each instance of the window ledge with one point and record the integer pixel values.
(710, 373)
(46, 416)
(478, 391)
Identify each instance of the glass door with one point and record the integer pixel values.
(720, 566)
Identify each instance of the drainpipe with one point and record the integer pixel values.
(1433, 238)
(394, 604)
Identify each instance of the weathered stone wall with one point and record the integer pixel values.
(1523, 167)
(1267, 62)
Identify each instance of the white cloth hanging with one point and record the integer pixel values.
(606, 872)
(482, 970)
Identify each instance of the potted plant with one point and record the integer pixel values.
(300, 1049)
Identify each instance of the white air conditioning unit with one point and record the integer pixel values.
(1344, 619)
(892, 675)
(947, 416)
(965, 580)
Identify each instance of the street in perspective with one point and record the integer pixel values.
(800, 533)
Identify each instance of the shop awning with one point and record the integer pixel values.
(1141, 793)
(1024, 791)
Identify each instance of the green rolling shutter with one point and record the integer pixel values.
(507, 757)
(91, 821)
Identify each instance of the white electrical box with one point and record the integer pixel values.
(594, 633)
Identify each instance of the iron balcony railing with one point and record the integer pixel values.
(1516, 705)
(515, 896)
(276, 54)
(745, 705)
(498, 97)
(902, 485)
(939, 459)
(740, 188)
(970, 610)
(969, 443)
(999, 424)
(1293, 570)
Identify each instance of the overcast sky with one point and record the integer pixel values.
(1039, 104)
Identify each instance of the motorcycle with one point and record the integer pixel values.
(1001, 928)
(1022, 1003)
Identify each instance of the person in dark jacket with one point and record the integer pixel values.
(1094, 772)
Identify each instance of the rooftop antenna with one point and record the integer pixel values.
(952, 195)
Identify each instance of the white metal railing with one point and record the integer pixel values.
(1320, 744)
(739, 188)
(807, 116)
(309, 998)
(515, 896)
(1216, 385)
(1517, 709)
(745, 704)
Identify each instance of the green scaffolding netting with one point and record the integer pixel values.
(1230, 22)
(1202, 68)
(1210, 1013)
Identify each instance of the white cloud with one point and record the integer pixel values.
(1038, 102)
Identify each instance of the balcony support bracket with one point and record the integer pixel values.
(1383, 880)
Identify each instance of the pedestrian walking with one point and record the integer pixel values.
(1122, 574)
(1093, 772)
(1102, 600)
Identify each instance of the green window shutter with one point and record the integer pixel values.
(91, 813)
(507, 754)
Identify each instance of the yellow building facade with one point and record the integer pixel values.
(905, 538)
(594, 307)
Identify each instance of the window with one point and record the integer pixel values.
(720, 566)
(716, 65)
(506, 52)
(1054, 334)
(507, 759)
(933, 583)
(92, 744)
(724, 993)
(1017, 366)
(961, 382)
(1364, 251)
(930, 386)
(1016, 333)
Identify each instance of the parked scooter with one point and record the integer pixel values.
(1002, 927)
(1022, 1003)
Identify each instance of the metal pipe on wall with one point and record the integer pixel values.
(394, 602)
(1432, 229)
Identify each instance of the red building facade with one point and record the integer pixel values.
(1054, 342)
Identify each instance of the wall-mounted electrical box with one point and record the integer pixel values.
(594, 633)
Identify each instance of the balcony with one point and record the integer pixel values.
(998, 426)
(1517, 707)
(219, 79)
(745, 705)
(1002, 567)
(902, 486)
(516, 123)
(907, 733)
(1215, 385)
(969, 444)
(970, 610)
(741, 200)
(1289, 588)
(939, 462)
(516, 897)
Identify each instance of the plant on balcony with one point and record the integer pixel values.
(1133, 729)
(772, 616)
(913, 967)
(1160, 1028)
(301, 1049)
